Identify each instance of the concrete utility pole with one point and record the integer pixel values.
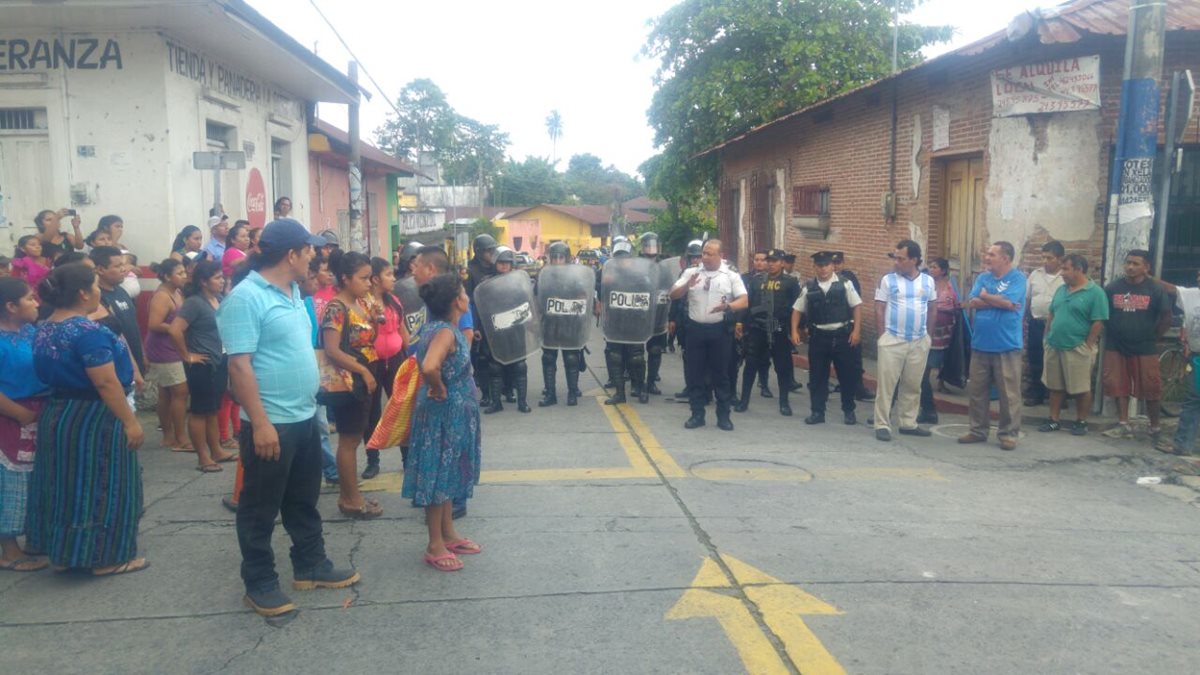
(358, 239)
(1131, 202)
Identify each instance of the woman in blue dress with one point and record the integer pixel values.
(443, 459)
(85, 495)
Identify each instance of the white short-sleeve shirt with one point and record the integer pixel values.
(715, 288)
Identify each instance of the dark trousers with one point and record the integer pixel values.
(288, 486)
(762, 353)
(709, 350)
(832, 348)
(1037, 358)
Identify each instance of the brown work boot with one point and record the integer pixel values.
(971, 437)
(1008, 443)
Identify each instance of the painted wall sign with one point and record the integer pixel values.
(256, 200)
(80, 53)
(1066, 85)
(200, 68)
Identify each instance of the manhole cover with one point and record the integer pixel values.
(739, 470)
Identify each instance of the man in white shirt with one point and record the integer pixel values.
(714, 292)
(1044, 282)
(903, 302)
(828, 314)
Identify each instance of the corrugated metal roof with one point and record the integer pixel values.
(1065, 23)
(592, 214)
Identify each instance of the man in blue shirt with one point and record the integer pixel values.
(998, 299)
(266, 332)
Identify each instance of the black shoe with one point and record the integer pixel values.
(883, 435)
(329, 482)
(1079, 428)
(815, 418)
(548, 400)
(458, 512)
(681, 394)
(864, 397)
(653, 389)
(765, 392)
(724, 424)
(269, 602)
(324, 575)
(572, 398)
(927, 417)
(495, 407)
(741, 407)
(694, 422)
(1034, 400)
(510, 397)
(797, 386)
(524, 407)
(644, 397)
(850, 418)
(370, 472)
(1052, 425)
(916, 431)
(614, 399)
(671, 349)
(785, 409)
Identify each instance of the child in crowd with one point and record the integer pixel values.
(30, 264)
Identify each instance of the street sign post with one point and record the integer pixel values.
(218, 161)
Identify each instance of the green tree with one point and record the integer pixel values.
(533, 181)
(690, 211)
(725, 67)
(588, 181)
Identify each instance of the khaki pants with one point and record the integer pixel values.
(1004, 371)
(899, 363)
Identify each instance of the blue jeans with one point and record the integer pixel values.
(328, 461)
(1189, 419)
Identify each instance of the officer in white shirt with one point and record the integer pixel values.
(714, 292)
(1044, 282)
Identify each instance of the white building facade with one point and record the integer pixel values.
(103, 103)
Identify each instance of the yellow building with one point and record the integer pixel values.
(580, 227)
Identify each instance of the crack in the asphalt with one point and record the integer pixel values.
(706, 541)
(229, 662)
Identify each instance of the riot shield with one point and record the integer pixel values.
(414, 307)
(668, 271)
(628, 288)
(564, 294)
(506, 309)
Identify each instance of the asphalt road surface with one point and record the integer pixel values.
(618, 542)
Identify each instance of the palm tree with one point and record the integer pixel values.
(555, 129)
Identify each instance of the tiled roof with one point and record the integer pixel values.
(644, 203)
(592, 214)
(369, 153)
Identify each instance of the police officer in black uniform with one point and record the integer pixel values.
(765, 329)
(516, 373)
(648, 246)
(677, 325)
(558, 253)
(624, 359)
(481, 266)
(828, 314)
(839, 262)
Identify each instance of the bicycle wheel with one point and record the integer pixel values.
(1172, 367)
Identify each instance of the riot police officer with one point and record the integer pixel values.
(648, 246)
(559, 317)
(479, 268)
(772, 295)
(679, 312)
(627, 356)
(516, 372)
(405, 258)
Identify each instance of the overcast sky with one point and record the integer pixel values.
(511, 63)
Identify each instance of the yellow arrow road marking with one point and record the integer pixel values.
(781, 606)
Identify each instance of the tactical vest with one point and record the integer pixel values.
(826, 308)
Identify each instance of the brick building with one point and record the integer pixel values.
(960, 154)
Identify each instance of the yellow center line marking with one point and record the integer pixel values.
(666, 464)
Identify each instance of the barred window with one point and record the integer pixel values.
(22, 119)
(810, 200)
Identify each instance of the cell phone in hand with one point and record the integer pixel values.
(71, 212)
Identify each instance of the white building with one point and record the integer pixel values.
(103, 102)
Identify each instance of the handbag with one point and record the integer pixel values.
(340, 386)
(395, 424)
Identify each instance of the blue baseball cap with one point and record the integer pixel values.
(287, 234)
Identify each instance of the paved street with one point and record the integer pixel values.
(617, 542)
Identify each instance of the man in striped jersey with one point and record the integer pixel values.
(903, 302)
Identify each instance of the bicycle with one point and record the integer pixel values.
(1173, 368)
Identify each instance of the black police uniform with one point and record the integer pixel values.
(573, 364)
(830, 346)
(656, 346)
(863, 394)
(766, 334)
(622, 359)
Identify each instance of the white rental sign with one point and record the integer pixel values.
(1064, 85)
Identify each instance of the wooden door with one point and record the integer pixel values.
(26, 185)
(963, 220)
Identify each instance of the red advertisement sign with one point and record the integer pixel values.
(256, 200)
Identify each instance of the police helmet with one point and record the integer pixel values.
(484, 242)
(695, 248)
(505, 254)
(618, 239)
(649, 244)
(622, 248)
(558, 251)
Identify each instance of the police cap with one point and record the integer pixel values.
(822, 258)
(776, 254)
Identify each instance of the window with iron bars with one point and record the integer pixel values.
(22, 119)
(810, 200)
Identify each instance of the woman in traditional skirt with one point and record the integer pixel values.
(85, 497)
(443, 456)
(22, 395)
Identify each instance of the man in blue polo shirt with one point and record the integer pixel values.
(998, 299)
(265, 329)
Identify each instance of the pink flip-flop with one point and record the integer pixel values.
(464, 547)
(434, 560)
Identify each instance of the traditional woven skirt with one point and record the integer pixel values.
(85, 496)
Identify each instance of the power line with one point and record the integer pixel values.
(355, 57)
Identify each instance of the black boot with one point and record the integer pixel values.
(572, 386)
(616, 366)
(495, 386)
(640, 390)
(743, 403)
(784, 408)
(653, 364)
(521, 381)
(550, 395)
(372, 469)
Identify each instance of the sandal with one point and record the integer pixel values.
(127, 567)
(229, 443)
(231, 457)
(444, 563)
(181, 449)
(370, 510)
(210, 468)
(464, 547)
(22, 564)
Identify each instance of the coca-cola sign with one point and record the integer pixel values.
(256, 200)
